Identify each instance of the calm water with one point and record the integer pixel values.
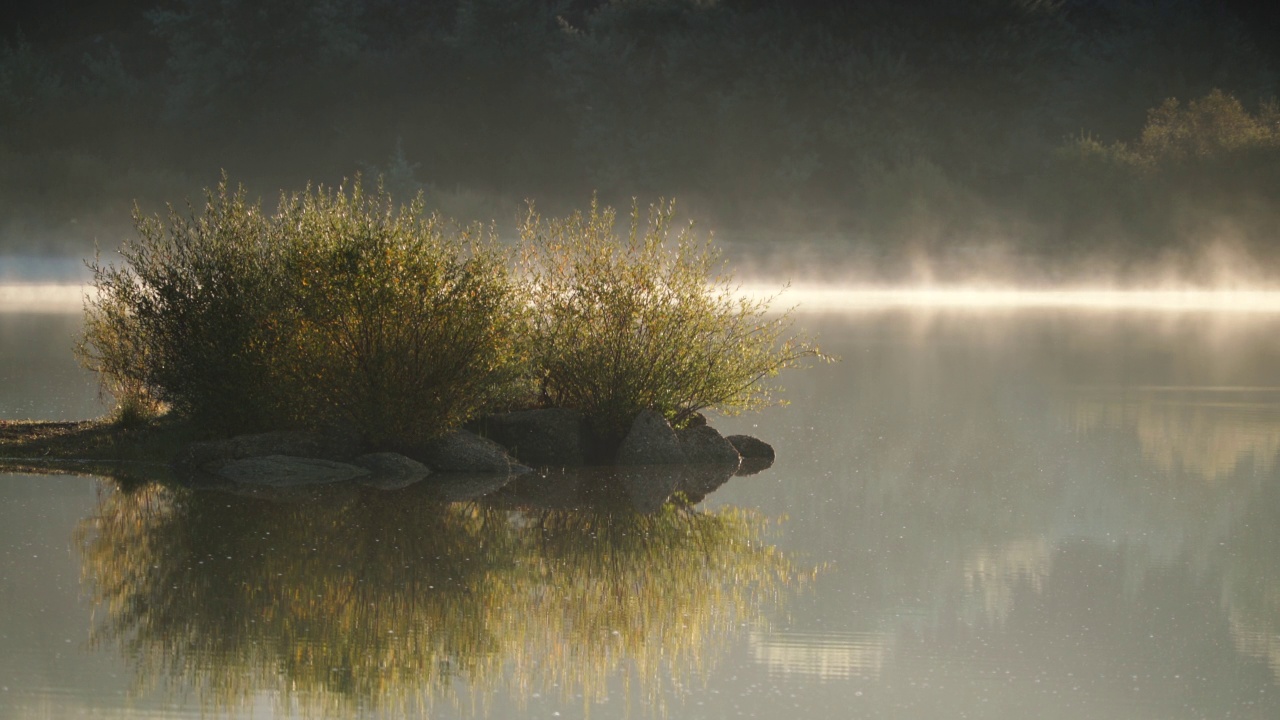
(1054, 514)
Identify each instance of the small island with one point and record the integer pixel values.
(346, 337)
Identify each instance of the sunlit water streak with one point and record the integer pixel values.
(42, 297)
(55, 297)
(831, 298)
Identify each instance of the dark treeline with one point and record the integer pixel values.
(1063, 127)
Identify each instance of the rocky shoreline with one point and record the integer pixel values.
(506, 445)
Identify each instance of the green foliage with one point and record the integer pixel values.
(760, 114)
(190, 318)
(1193, 167)
(338, 308)
(214, 46)
(402, 325)
(645, 322)
(1203, 130)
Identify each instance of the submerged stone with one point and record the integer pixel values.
(211, 455)
(391, 471)
(464, 451)
(287, 471)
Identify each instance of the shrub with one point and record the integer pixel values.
(187, 318)
(337, 309)
(405, 326)
(645, 322)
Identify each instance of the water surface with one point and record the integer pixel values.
(1054, 512)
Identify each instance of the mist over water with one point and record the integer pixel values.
(810, 297)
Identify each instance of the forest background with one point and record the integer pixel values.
(1019, 133)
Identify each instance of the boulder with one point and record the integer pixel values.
(555, 437)
(464, 451)
(704, 445)
(756, 454)
(651, 441)
(391, 471)
(287, 471)
(751, 448)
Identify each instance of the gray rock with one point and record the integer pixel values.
(391, 471)
(756, 454)
(463, 451)
(651, 441)
(210, 456)
(555, 437)
(703, 444)
(751, 448)
(285, 471)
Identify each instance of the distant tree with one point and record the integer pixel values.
(213, 47)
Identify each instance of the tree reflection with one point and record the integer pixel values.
(356, 598)
(1252, 584)
(1204, 432)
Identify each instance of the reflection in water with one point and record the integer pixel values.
(1252, 585)
(1261, 641)
(843, 298)
(829, 656)
(396, 601)
(1029, 508)
(992, 575)
(1206, 432)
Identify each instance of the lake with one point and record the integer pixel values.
(1052, 512)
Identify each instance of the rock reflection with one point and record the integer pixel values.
(355, 598)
